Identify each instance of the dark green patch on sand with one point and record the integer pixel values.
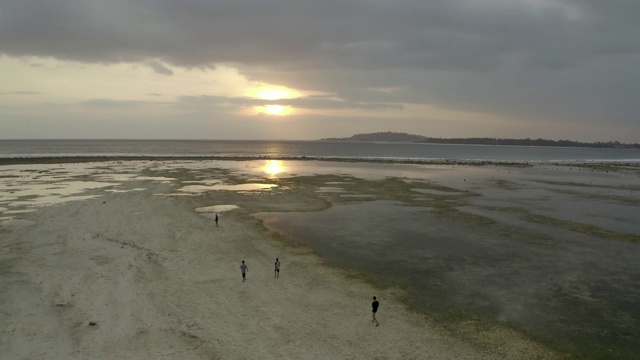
(461, 268)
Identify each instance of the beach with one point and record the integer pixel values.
(123, 260)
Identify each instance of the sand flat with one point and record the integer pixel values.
(132, 275)
(136, 276)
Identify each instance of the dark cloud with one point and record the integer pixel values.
(317, 103)
(320, 102)
(470, 35)
(558, 59)
(159, 67)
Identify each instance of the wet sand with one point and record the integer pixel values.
(122, 260)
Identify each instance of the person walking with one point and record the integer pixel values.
(216, 220)
(374, 306)
(276, 272)
(244, 268)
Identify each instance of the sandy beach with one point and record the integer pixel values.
(110, 260)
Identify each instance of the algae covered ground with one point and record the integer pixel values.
(550, 252)
(545, 251)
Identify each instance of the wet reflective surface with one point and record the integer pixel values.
(551, 251)
(216, 208)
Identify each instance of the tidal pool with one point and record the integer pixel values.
(216, 208)
(239, 187)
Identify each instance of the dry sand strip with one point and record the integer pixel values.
(140, 276)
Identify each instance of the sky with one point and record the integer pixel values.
(311, 69)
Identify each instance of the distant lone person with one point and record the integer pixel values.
(244, 268)
(276, 272)
(216, 220)
(374, 307)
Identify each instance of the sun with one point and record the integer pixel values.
(272, 92)
(273, 109)
(269, 95)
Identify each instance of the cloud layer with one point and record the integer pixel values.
(552, 60)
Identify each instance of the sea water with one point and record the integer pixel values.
(311, 149)
(550, 251)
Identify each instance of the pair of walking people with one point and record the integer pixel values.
(245, 269)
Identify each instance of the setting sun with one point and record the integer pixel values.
(278, 110)
(267, 94)
(272, 92)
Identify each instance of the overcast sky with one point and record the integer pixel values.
(309, 69)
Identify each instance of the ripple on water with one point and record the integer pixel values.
(239, 187)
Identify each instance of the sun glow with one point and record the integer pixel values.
(268, 94)
(278, 110)
(272, 92)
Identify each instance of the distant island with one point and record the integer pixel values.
(412, 138)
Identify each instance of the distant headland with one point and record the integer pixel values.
(412, 138)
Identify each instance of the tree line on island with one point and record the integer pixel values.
(404, 137)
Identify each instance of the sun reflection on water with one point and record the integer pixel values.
(274, 167)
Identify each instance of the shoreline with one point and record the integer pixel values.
(108, 158)
(26, 160)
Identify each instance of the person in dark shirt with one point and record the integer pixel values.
(244, 268)
(374, 306)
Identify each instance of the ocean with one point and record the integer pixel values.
(310, 149)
